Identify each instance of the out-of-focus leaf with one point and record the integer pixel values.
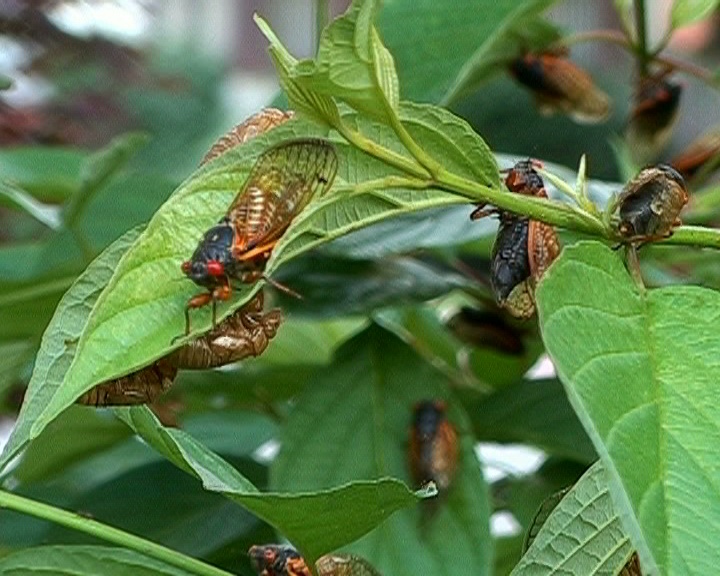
(639, 367)
(520, 30)
(21, 200)
(59, 342)
(49, 174)
(14, 356)
(583, 534)
(5, 82)
(365, 401)
(84, 561)
(315, 521)
(98, 169)
(548, 421)
(686, 12)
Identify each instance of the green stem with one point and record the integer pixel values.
(425, 160)
(640, 26)
(322, 16)
(695, 236)
(104, 532)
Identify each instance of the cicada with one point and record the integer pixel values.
(433, 445)
(246, 332)
(698, 154)
(281, 183)
(523, 248)
(486, 329)
(558, 85)
(283, 560)
(653, 116)
(649, 206)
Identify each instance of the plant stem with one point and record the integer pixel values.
(104, 532)
(424, 159)
(322, 16)
(641, 28)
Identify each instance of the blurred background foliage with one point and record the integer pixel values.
(112, 104)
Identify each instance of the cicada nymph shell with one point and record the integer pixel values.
(653, 116)
(700, 153)
(257, 124)
(649, 206)
(523, 248)
(558, 85)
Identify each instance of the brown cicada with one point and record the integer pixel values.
(281, 183)
(653, 116)
(649, 206)
(283, 560)
(433, 445)
(486, 329)
(558, 85)
(523, 248)
(705, 151)
(246, 332)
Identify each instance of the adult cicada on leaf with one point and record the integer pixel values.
(281, 183)
(649, 206)
(559, 85)
(523, 248)
(283, 560)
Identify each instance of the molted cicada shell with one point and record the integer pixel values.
(558, 85)
(649, 206)
(653, 117)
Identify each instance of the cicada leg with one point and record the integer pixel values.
(222, 292)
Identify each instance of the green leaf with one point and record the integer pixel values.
(20, 200)
(686, 12)
(99, 168)
(364, 401)
(317, 521)
(582, 535)
(84, 561)
(548, 420)
(638, 367)
(49, 174)
(58, 345)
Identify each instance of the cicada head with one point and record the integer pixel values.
(277, 560)
(522, 178)
(650, 204)
(433, 445)
(207, 266)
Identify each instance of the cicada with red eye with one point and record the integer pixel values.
(523, 248)
(433, 445)
(649, 206)
(705, 151)
(653, 116)
(281, 183)
(278, 560)
(558, 85)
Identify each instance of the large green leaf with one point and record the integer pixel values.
(363, 403)
(84, 561)
(58, 345)
(640, 368)
(582, 535)
(49, 174)
(316, 521)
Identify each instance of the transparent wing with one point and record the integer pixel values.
(282, 182)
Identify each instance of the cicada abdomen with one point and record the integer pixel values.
(558, 85)
(649, 206)
(281, 183)
(255, 125)
(143, 386)
(247, 332)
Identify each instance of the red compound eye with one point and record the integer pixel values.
(185, 267)
(215, 268)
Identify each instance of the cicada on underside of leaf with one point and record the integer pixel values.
(281, 183)
(523, 248)
(284, 560)
(649, 206)
(559, 85)
(433, 446)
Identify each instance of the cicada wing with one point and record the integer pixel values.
(283, 180)
(543, 248)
